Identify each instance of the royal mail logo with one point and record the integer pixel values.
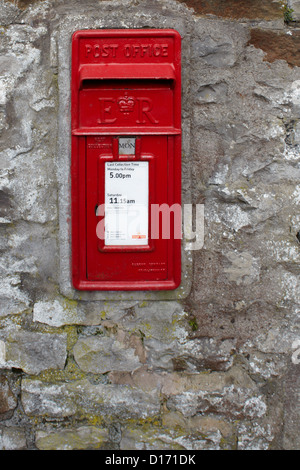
(126, 104)
(110, 109)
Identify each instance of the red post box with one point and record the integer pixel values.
(126, 159)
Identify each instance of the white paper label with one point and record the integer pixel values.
(126, 146)
(126, 203)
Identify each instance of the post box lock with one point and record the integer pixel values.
(126, 159)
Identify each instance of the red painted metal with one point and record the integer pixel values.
(124, 83)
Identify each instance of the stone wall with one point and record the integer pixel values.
(216, 367)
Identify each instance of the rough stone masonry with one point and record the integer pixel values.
(217, 366)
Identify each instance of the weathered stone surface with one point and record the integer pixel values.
(142, 378)
(62, 311)
(179, 433)
(2, 352)
(23, 260)
(82, 438)
(277, 45)
(256, 9)
(154, 438)
(159, 339)
(13, 299)
(215, 53)
(259, 437)
(40, 399)
(212, 93)
(79, 397)
(31, 351)
(24, 3)
(56, 313)
(206, 354)
(100, 354)
(234, 402)
(294, 9)
(266, 366)
(8, 14)
(232, 394)
(291, 408)
(13, 438)
(8, 401)
(218, 46)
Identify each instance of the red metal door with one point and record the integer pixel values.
(126, 146)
